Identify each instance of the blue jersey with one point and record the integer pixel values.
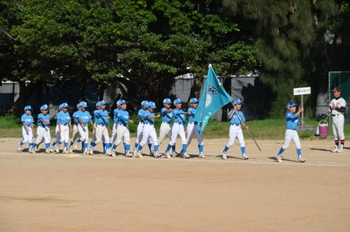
(84, 116)
(115, 115)
(179, 116)
(141, 115)
(166, 117)
(63, 118)
(292, 121)
(123, 117)
(192, 115)
(237, 118)
(149, 120)
(27, 119)
(76, 115)
(45, 117)
(101, 117)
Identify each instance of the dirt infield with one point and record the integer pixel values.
(73, 192)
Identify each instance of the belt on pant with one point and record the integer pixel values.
(146, 123)
(166, 122)
(179, 123)
(100, 124)
(195, 123)
(235, 124)
(336, 115)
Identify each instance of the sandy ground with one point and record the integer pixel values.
(73, 192)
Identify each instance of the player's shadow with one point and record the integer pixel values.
(319, 149)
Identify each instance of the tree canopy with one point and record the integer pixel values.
(141, 46)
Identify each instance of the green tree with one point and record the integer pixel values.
(288, 33)
(139, 46)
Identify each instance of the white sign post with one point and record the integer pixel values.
(302, 92)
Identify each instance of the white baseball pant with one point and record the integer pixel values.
(289, 136)
(192, 130)
(235, 131)
(177, 129)
(165, 129)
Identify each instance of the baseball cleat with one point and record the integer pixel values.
(65, 151)
(279, 159)
(335, 150)
(301, 160)
(167, 156)
(47, 151)
(224, 156)
(175, 154)
(36, 148)
(156, 154)
(245, 157)
(186, 156)
(31, 150)
(91, 152)
(128, 154)
(139, 155)
(202, 156)
(57, 150)
(85, 152)
(18, 147)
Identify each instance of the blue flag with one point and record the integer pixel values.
(213, 98)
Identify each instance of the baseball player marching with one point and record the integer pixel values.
(63, 127)
(27, 128)
(192, 128)
(115, 126)
(75, 133)
(84, 118)
(140, 126)
(43, 130)
(149, 131)
(237, 119)
(179, 128)
(123, 119)
(166, 115)
(293, 122)
(101, 128)
(337, 109)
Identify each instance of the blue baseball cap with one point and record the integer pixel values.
(144, 103)
(44, 107)
(177, 101)
(194, 100)
(102, 103)
(64, 105)
(238, 102)
(122, 102)
(78, 105)
(291, 104)
(28, 108)
(166, 101)
(152, 105)
(83, 104)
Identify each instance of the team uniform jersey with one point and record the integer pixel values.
(165, 127)
(28, 120)
(338, 117)
(75, 133)
(115, 125)
(178, 127)
(63, 119)
(292, 123)
(43, 130)
(236, 130)
(122, 130)
(84, 117)
(192, 129)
